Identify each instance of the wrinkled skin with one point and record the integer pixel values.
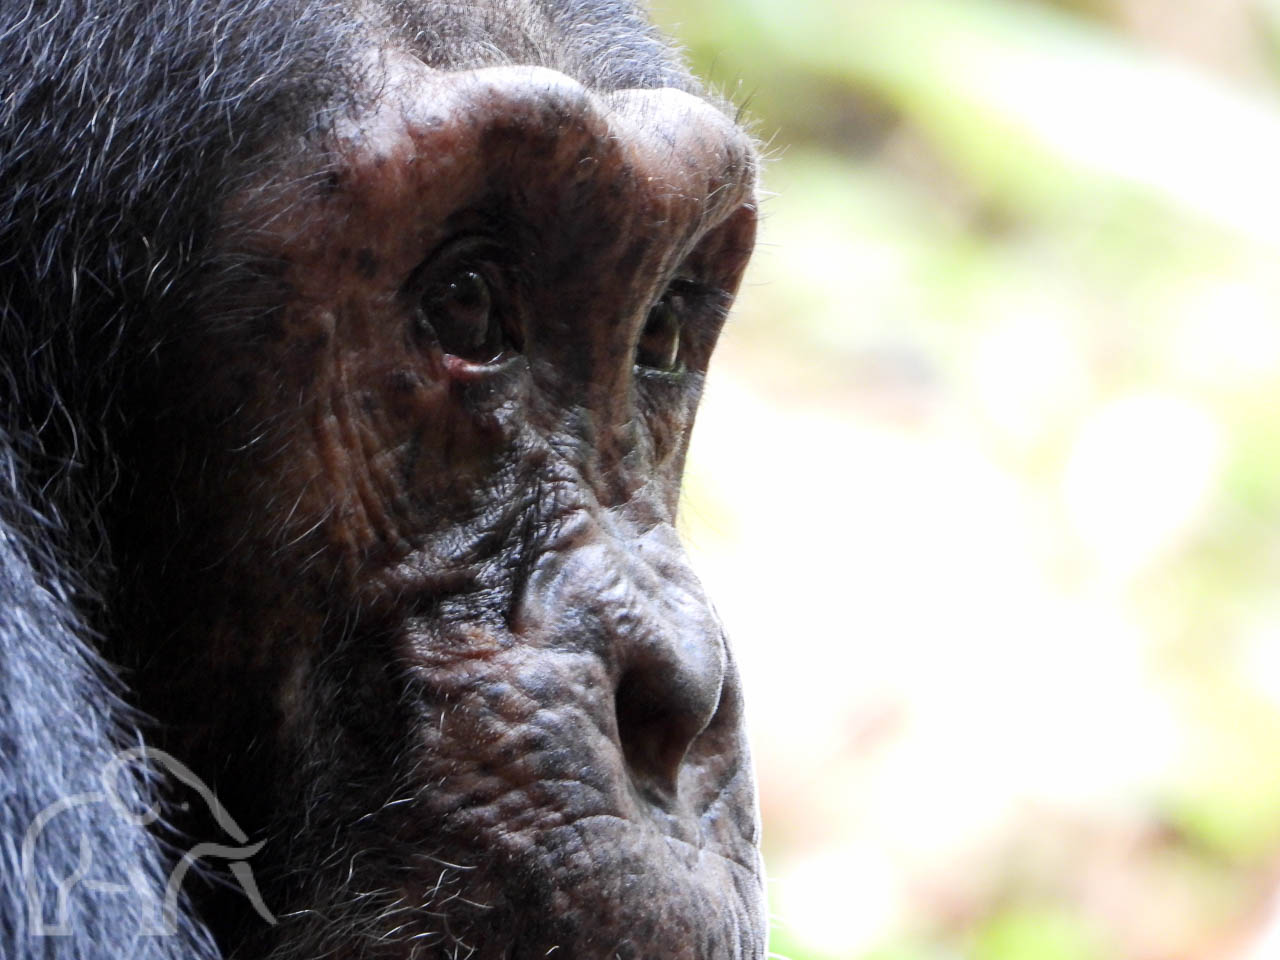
(429, 455)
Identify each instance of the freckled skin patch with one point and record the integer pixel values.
(456, 580)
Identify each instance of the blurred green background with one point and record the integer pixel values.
(987, 482)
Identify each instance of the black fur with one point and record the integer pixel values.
(117, 123)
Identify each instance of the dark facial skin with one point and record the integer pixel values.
(429, 481)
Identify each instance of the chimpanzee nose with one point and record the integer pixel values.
(641, 610)
(670, 685)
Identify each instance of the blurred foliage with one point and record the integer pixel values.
(1036, 933)
(1058, 224)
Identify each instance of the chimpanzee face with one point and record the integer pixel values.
(446, 378)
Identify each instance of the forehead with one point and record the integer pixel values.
(605, 46)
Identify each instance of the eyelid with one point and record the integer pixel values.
(467, 252)
(697, 292)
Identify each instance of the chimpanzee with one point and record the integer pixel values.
(348, 357)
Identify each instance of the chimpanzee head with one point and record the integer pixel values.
(396, 464)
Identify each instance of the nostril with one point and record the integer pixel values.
(657, 723)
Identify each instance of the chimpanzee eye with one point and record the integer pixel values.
(460, 311)
(659, 346)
